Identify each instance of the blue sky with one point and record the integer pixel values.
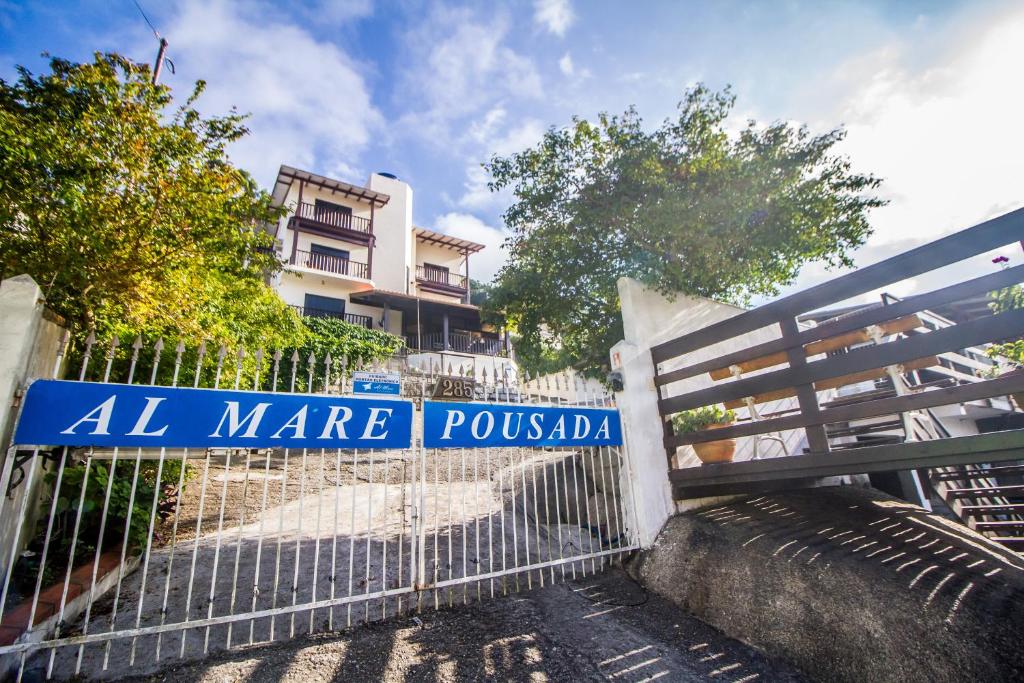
(927, 90)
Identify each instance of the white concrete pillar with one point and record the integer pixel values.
(638, 408)
(30, 346)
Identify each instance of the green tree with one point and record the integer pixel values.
(687, 207)
(127, 210)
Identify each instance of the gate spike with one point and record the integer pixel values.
(558, 385)
(295, 356)
(258, 356)
(222, 352)
(180, 348)
(450, 369)
(240, 354)
(158, 350)
(89, 341)
(277, 356)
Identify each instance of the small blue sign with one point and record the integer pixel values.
(63, 413)
(379, 383)
(454, 425)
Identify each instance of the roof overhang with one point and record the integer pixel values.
(447, 241)
(408, 303)
(287, 176)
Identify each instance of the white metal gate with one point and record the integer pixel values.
(236, 547)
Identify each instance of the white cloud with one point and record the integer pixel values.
(940, 135)
(340, 11)
(935, 118)
(555, 16)
(460, 65)
(484, 264)
(477, 195)
(309, 102)
(565, 64)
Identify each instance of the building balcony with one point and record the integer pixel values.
(352, 318)
(457, 343)
(329, 222)
(328, 263)
(441, 280)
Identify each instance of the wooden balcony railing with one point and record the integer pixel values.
(329, 263)
(440, 277)
(457, 343)
(803, 361)
(342, 220)
(353, 318)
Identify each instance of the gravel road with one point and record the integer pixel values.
(598, 628)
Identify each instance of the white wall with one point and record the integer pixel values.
(30, 347)
(392, 226)
(648, 320)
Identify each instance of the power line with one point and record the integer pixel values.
(146, 18)
(161, 55)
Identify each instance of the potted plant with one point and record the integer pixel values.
(699, 419)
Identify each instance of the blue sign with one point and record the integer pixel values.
(380, 383)
(453, 425)
(62, 413)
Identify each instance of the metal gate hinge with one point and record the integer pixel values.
(19, 394)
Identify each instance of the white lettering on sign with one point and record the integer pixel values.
(102, 414)
(147, 414)
(524, 424)
(68, 413)
(376, 421)
(234, 424)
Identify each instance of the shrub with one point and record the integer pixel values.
(699, 418)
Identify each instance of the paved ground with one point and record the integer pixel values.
(596, 628)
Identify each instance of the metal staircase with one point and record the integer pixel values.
(986, 498)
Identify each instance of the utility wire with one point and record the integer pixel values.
(146, 19)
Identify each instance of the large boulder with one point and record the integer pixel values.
(848, 584)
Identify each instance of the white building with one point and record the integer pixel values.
(353, 252)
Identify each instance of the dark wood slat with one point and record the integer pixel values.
(864, 429)
(978, 474)
(998, 526)
(963, 450)
(971, 333)
(1014, 491)
(1009, 541)
(975, 240)
(806, 397)
(964, 393)
(855, 321)
(982, 510)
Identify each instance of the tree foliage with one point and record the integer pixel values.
(127, 210)
(1008, 299)
(687, 207)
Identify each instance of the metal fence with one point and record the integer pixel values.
(146, 555)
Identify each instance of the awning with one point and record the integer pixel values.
(407, 303)
(447, 241)
(288, 175)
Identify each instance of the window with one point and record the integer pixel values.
(332, 214)
(329, 251)
(323, 307)
(435, 273)
(327, 258)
